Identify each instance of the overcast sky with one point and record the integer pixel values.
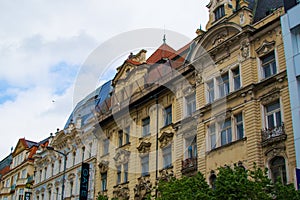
(43, 45)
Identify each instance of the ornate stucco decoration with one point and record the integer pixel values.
(220, 38)
(166, 174)
(121, 192)
(275, 150)
(165, 138)
(245, 49)
(122, 156)
(270, 96)
(103, 166)
(265, 48)
(71, 176)
(144, 147)
(143, 188)
(49, 186)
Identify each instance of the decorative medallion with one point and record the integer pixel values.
(122, 156)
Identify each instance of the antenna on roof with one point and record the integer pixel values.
(11, 149)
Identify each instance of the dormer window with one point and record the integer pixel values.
(219, 12)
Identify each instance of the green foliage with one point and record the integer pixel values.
(185, 188)
(232, 183)
(101, 197)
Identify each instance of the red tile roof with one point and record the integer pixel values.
(164, 51)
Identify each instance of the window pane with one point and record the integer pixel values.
(273, 106)
(125, 172)
(271, 123)
(210, 91)
(190, 104)
(236, 78)
(168, 115)
(167, 157)
(269, 65)
(146, 126)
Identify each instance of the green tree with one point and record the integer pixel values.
(185, 188)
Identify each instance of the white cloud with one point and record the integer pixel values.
(44, 43)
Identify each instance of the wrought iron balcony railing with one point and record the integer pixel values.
(272, 135)
(189, 165)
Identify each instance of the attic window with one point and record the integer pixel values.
(219, 12)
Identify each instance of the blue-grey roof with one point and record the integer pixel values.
(6, 162)
(84, 108)
(265, 7)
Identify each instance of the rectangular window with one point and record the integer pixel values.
(223, 85)
(24, 173)
(45, 173)
(145, 165)
(210, 91)
(268, 65)
(239, 126)
(59, 166)
(74, 158)
(91, 149)
(119, 172)
(125, 167)
(21, 194)
(168, 115)
(190, 104)
(105, 146)
(167, 157)
(57, 193)
(146, 126)
(273, 116)
(191, 145)
(127, 134)
(226, 134)
(120, 138)
(212, 136)
(41, 174)
(104, 181)
(83, 152)
(219, 12)
(236, 78)
(71, 188)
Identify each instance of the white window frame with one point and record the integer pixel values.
(190, 101)
(167, 154)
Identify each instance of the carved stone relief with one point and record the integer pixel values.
(265, 48)
(165, 139)
(270, 97)
(245, 49)
(103, 166)
(143, 188)
(121, 192)
(144, 147)
(122, 156)
(166, 175)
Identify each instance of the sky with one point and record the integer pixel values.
(44, 45)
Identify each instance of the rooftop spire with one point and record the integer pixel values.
(164, 39)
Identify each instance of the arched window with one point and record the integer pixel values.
(212, 180)
(277, 169)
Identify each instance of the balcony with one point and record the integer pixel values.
(5, 190)
(273, 135)
(22, 181)
(189, 166)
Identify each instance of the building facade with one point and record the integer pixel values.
(291, 37)
(221, 100)
(18, 180)
(58, 167)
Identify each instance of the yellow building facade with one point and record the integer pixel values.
(221, 100)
